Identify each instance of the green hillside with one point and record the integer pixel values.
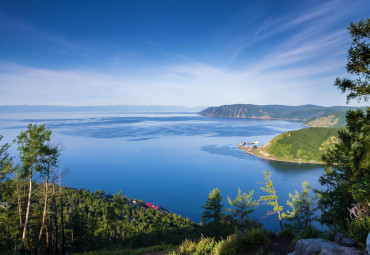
(305, 145)
(332, 120)
(298, 113)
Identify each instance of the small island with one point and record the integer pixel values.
(299, 146)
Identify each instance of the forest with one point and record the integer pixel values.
(305, 145)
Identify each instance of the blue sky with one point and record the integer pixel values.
(188, 53)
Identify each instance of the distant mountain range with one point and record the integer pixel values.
(107, 109)
(283, 112)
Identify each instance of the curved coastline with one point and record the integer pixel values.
(252, 152)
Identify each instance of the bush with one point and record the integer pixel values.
(309, 232)
(242, 242)
(288, 233)
(358, 229)
(226, 247)
(238, 243)
(204, 246)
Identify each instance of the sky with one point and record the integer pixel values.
(166, 52)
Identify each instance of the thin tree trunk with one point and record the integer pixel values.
(278, 211)
(72, 221)
(43, 215)
(19, 204)
(55, 223)
(50, 236)
(61, 215)
(25, 227)
(47, 236)
(28, 241)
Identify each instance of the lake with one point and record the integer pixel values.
(170, 159)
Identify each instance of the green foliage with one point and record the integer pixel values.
(358, 229)
(305, 144)
(358, 62)
(347, 164)
(155, 248)
(213, 212)
(238, 243)
(204, 246)
(347, 175)
(242, 242)
(33, 147)
(5, 160)
(272, 198)
(337, 119)
(303, 208)
(309, 232)
(242, 203)
(91, 221)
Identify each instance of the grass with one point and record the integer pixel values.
(156, 248)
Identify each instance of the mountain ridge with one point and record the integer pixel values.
(283, 112)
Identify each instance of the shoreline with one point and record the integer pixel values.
(252, 152)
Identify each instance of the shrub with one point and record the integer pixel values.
(358, 229)
(204, 246)
(309, 232)
(242, 242)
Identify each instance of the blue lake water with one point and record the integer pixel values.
(170, 159)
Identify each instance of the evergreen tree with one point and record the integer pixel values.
(242, 203)
(303, 208)
(213, 212)
(32, 147)
(347, 175)
(358, 63)
(272, 198)
(5, 160)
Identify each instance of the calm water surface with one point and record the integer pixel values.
(170, 159)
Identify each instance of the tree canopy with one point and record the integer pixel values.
(358, 63)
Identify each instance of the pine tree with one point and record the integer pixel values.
(5, 160)
(347, 175)
(303, 208)
(213, 212)
(271, 199)
(242, 203)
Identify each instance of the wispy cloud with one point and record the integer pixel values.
(286, 59)
(11, 24)
(308, 23)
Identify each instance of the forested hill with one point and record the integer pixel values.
(297, 113)
(331, 120)
(304, 145)
(91, 221)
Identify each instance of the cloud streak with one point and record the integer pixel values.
(289, 59)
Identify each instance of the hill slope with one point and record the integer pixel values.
(297, 113)
(303, 146)
(331, 120)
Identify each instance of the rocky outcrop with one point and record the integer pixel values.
(318, 246)
(342, 240)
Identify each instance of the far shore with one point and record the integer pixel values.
(253, 152)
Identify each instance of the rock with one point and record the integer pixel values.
(318, 246)
(342, 240)
(368, 243)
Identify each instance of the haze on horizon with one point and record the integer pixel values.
(188, 53)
